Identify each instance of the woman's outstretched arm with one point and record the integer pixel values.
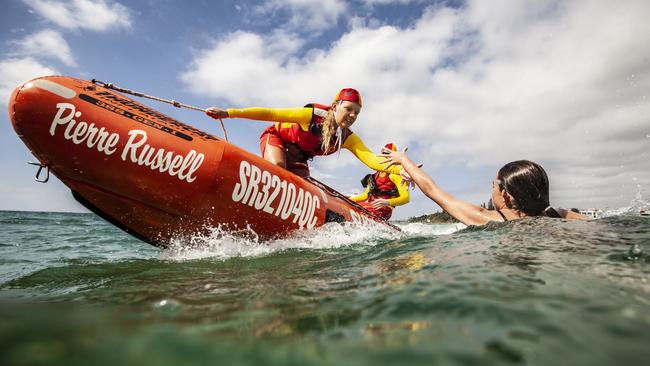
(361, 196)
(366, 156)
(465, 212)
(302, 115)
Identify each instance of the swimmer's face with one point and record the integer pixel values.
(346, 113)
(497, 196)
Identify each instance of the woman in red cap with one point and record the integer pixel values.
(299, 134)
(383, 192)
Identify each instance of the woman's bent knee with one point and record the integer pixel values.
(275, 155)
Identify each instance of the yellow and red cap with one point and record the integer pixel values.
(391, 146)
(348, 94)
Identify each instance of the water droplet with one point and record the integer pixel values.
(634, 253)
(167, 305)
(629, 313)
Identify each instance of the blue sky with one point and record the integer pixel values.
(468, 86)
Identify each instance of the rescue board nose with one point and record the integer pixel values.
(26, 117)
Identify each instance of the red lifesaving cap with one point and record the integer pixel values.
(349, 94)
(391, 146)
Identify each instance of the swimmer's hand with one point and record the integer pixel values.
(216, 113)
(393, 157)
(397, 158)
(380, 203)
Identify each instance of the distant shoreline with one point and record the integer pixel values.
(434, 218)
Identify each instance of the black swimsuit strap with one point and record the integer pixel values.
(502, 215)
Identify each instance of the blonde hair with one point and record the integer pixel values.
(328, 129)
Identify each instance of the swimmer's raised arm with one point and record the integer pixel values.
(466, 212)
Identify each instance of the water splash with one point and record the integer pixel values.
(422, 229)
(220, 243)
(637, 204)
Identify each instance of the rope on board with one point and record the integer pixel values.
(158, 99)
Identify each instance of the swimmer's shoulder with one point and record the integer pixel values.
(570, 215)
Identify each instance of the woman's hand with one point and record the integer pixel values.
(407, 180)
(216, 113)
(380, 203)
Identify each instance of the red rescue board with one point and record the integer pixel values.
(157, 178)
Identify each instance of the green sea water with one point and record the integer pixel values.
(74, 290)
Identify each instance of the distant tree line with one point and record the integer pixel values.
(435, 218)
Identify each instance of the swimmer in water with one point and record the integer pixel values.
(520, 189)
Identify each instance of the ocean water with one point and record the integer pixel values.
(74, 290)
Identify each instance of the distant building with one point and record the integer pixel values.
(593, 213)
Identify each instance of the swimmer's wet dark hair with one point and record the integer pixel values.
(527, 183)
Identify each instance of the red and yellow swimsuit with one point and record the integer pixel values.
(301, 127)
(386, 186)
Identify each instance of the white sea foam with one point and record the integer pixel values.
(422, 229)
(219, 243)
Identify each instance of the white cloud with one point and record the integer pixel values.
(305, 15)
(244, 57)
(561, 83)
(14, 71)
(46, 43)
(96, 15)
